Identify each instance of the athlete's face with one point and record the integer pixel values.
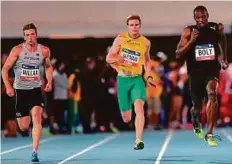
(133, 27)
(30, 36)
(201, 18)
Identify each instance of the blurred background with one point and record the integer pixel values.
(79, 35)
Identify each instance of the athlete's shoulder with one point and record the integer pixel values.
(45, 50)
(187, 30)
(117, 39)
(190, 27)
(144, 37)
(212, 24)
(147, 41)
(122, 34)
(17, 49)
(216, 26)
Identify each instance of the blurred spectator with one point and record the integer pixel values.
(88, 94)
(8, 121)
(225, 91)
(183, 84)
(153, 96)
(74, 96)
(61, 86)
(176, 97)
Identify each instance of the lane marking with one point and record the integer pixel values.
(228, 135)
(105, 140)
(164, 147)
(25, 146)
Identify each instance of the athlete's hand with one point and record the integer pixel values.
(120, 59)
(194, 35)
(151, 82)
(48, 87)
(224, 65)
(10, 91)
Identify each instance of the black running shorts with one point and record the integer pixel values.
(198, 84)
(25, 100)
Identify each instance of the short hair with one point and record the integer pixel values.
(29, 26)
(132, 17)
(200, 8)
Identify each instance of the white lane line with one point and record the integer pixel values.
(105, 140)
(25, 146)
(228, 135)
(164, 147)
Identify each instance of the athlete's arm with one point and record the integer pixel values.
(147, 64)
(185, 44)
(222, 44)
(223, 41)
(112, 56)
(49, 69)
(13, 56)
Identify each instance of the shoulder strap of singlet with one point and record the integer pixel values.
(39, 47)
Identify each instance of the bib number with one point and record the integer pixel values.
(204, 52)
(30, 73)
(130, 56)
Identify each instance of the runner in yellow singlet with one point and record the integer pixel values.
(128, 54)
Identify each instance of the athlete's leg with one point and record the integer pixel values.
(124, 97)
(197, 94)
(212, 104)
(126, 115)
(139, 118)
(36, 114)
(138, 95)
(22, 109)
(24, 122)
(157, 108)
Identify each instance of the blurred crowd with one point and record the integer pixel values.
(84, 98)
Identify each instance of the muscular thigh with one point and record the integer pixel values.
(197, 88)
(212, 88)
(123, 94)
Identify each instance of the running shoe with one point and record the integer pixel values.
(139, 145)
(34, 157)
(210, 138)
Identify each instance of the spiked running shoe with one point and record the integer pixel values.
(139, 145)
(198, 132)
(210, 138)
(34, 157)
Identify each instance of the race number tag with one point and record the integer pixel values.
(30, 73)
(204, 52)
(131, 56)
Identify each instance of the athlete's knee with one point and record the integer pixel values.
(139, 106)
(126, 118)
(195, 111)
(36, 116)
(139, 111)
(197, 105)
(23, 127)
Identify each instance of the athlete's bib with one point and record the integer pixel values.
(204, 52)
(131, 57)
(30, 73)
